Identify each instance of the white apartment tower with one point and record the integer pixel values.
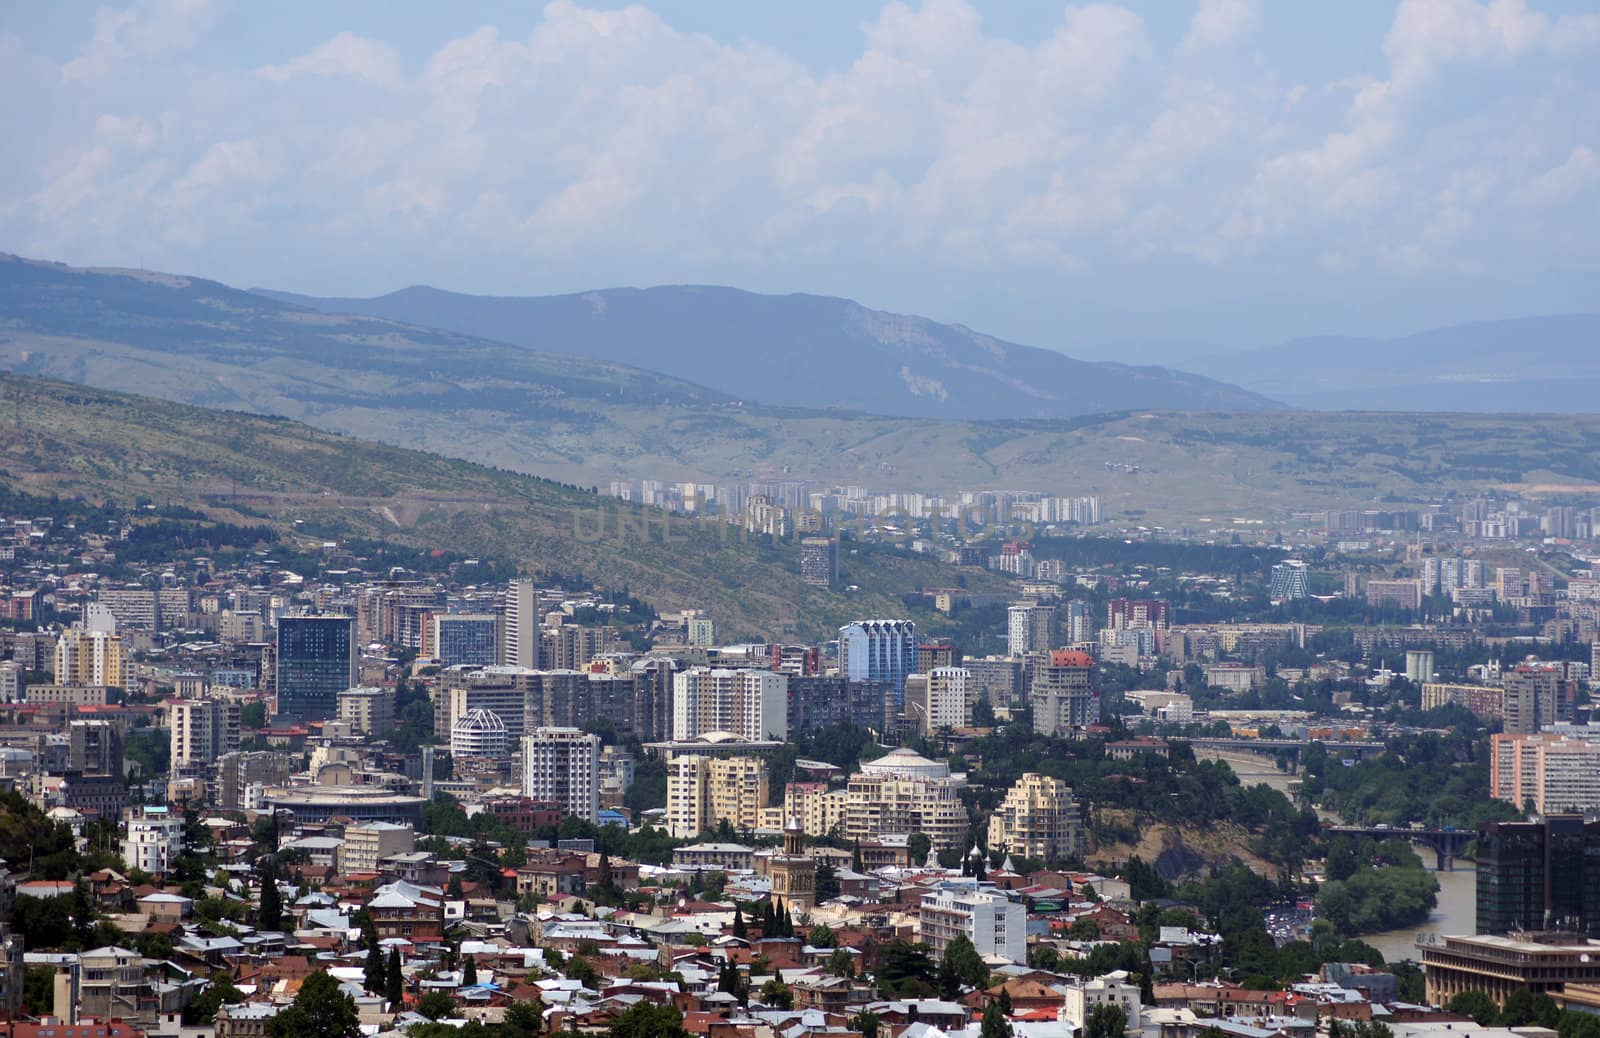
(752, 704)
(563, 764)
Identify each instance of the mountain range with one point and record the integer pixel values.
(803, 351)
(1528, 364)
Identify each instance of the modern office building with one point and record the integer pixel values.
(563, 765)
(1063, 694)
(1291, 582)
(465, 639)
(316, 660)
(1497, 965)
(479, 733)
(752, 704)
(1539, 876)
(879, 650)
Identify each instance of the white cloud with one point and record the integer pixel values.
(1218, 23)
(345, 55)
(155, 28)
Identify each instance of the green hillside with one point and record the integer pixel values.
(74, 440)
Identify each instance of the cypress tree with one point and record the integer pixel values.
(395, 982)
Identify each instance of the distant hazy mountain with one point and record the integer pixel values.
(1529, 364)
(805, 351)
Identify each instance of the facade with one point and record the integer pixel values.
(1486, 701)
(819, 561)
(940, 700)
(563, 765)
(726, 856)
(703, 791)
(1498, 966)
(316, 661)
(154, 840)
(466, 639)
(1539, 876)
(903, 793)
(752, 704)
(1397, 594)
(480, 733)
(1556, 773)
(1063, 693)
(312, 804)
(994, 923)
(1531, 700)
(366, 845)
(519, 630)
(370, 711)
(1038, 819)
(239, 773)
(879, 650)
(819, 809)
(793, 873)
(1030, 627)
(1291, 582)
(203, 730)
(1113, 989)
(90, 658)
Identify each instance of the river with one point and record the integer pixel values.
(1457, 909)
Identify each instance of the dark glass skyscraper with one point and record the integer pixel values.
(1541, 875)
(316, 661)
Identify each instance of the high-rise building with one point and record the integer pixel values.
(704, 791)
(481, 733)
(1079, 622)
(995, 924)
(571, 646)
(563, 765)
(519, 633)
(203, 730)
(819, 561)
(1149, 612)
(879, 650)
(94, 747)
(819, 808)
(902, 793)
(1063, 694)
(1030, 627)
(1038, 819)
(368, 710)
(1541, 875)
(1555, 773)
(316, 660)
(465, 639)
(91, 658)
(1419, 665)
(1290, 581)
(242, 776)
(1531, 700)
(940, 700)
(752, 704)
(1399, 594)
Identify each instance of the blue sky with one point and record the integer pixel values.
(1136, 181)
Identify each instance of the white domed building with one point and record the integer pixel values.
(479, 733)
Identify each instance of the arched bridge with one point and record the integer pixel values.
(1447, 844)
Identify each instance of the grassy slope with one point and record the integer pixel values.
(101, 444)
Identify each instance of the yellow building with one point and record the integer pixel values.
(1037, 819)
(904, 793)
(704, 791)
(819, 810)
(91, 658)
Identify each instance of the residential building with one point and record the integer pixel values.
(405, 910)
(940, 700)
(242, 776)
(879, 650)
(704, 791)
(902, 793)
(563, 765)
(203, 730)
(1064, 695)
(154, 840)
(87, 658)
(819, 561)
(994, 923)
(821, 810)
(1532, 699)
(111, 984)
(569, 646)
(366, 845)
(1555, 773)
(1486, 701)
(1149, 612)
(1542, 875)
(752, 704)
(1038, 819)
(1113, 989)
(1030, 627)
(369, 710)
(316, 660)
(1398, 594)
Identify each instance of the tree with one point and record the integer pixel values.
(905, 971)
(1084, 930)
(648, 1020)
(321, 1010)
(776, 994)
(202, 1009)
(995, 1024)
(394, 982)
(469, 973)
(1518, 1009)
(865, 1022)
(436, 1005)
(582, 970)
(269, 916)
(822, 936)
(840, 963)
(740, 929)
(1106, 1021)
(374, 973)
(918, 847)
(1476, 1005)
(961, 958)
(522, 1020)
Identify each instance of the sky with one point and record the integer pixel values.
(1133, 181)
